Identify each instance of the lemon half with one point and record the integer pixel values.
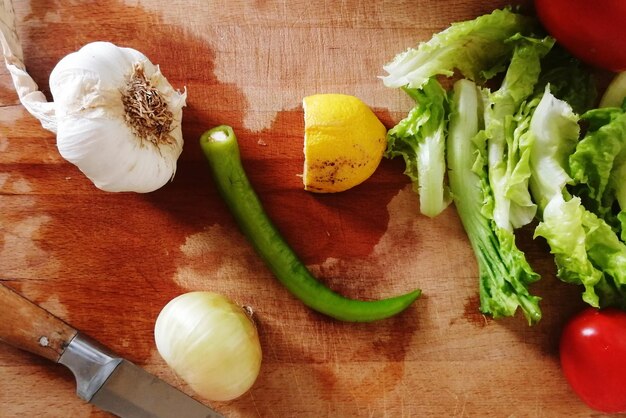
(344, 142)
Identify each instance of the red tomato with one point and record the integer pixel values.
(593, 358)
(594, 31)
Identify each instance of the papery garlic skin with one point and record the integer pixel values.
(92, 132)
(90, 117)
(210, 343)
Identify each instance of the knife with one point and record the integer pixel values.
(103, 378)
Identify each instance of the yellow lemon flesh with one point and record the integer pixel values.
(344, 142)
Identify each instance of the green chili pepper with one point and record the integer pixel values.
(222, 152)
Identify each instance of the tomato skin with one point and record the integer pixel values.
(593, 358)
(594, 31)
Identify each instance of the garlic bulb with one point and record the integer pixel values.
(116, 116)
(210, 343)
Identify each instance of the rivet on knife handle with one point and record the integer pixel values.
(29, 327)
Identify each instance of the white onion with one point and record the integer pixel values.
(211, 343)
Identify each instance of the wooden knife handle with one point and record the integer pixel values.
(29, 327)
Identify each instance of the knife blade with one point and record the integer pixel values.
(102, 377)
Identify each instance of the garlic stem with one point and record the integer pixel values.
(145, 110)
(27, 90)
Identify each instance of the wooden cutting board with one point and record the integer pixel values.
(107, 263)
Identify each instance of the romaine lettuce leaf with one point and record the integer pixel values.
(508, 150)
(420, 140)
(508, 146)
(555, 130)
(587, 251)
(504, 272)
(563, 229)
(476, 48)
(569, 80)
(599, 164)
(608, 254)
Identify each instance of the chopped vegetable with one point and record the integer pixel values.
(222, 152)
(500, 155)
(420, 140)
(503, 269)
(508, 159)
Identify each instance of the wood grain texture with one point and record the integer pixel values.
(28, 327)
(107, 263)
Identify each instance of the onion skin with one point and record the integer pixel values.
(211, 343)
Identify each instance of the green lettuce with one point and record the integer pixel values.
(587, 251)
(420, 140)
(555, 131)
(491, 195)
(508, 151)
(599, 165)
(504, 273)
(508, 143)
(569, 80)
(476, 48)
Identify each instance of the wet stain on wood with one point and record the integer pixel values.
(110, 262)
(472, 313)
(148, 229)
